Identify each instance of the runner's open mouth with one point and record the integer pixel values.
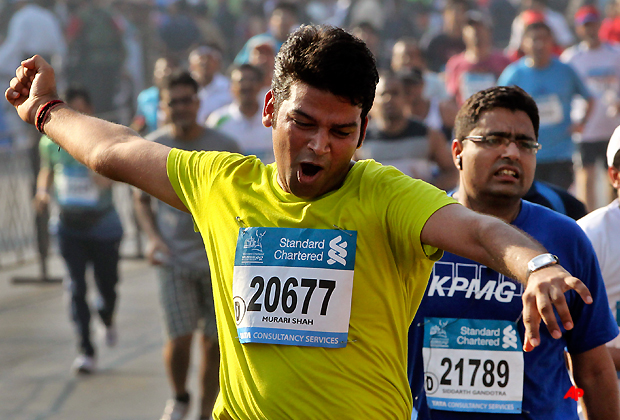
(508, 172)
(309, 169)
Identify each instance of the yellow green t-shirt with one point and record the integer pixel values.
(364, 380)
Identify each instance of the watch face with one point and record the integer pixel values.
(541, 261)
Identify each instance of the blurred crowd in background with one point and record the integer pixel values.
(442, 51)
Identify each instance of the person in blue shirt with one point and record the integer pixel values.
(147, 118)
(553, 85)
(282, 21)
(465, 357)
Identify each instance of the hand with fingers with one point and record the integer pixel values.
(545, 291)
(34, 85)
(157, 252)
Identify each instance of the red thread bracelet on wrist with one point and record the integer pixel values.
(44, 112)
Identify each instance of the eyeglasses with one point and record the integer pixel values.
(494, 141)
(186, 100)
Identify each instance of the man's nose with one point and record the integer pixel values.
(511, 150)
(319, 142)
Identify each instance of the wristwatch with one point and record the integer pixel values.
(539, 262)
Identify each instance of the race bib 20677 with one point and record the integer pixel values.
(294, 286)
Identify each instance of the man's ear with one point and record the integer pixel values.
(457, 150)
(363, 132)
(614, 177)
(268, 110)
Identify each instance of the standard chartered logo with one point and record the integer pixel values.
(510, 337)
(337, 252)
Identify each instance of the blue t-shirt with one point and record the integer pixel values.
(546, 379)
(553, 88)
(148, 106)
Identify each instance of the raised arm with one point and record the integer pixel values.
(503, 248)
(109, 149)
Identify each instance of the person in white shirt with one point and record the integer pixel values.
(598, 65)
(242, 120)
(32, 29)
(602, 227)
(204, 65)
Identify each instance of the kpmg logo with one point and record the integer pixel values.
(337, 252)
(510, 337)
(255, 243)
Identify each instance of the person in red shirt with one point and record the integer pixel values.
(479, 66)
(610, 27)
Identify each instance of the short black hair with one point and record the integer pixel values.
(77, 92)
(258, 72)
(180, 77)
(454, 3)
(329, 59)
(210, 48)
(288, 6)
(509, 97)
(616, 162)
(535, 26)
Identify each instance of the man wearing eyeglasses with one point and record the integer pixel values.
(179, 256)
(465, 358)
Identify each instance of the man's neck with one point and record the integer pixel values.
(207, 82)
(420, 107)
(248, 109)
(453, 31)
(186, 134)
(593, 44)
(540, 63)
(477, 54)
(504, 208)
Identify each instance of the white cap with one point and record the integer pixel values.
(613, 146)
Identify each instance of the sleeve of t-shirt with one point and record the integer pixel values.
(191, 174)
(45, 146)
(596, 238)
(405, 204)
(580, 87)
(507, 78)
(567, 55)
(594, 324)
